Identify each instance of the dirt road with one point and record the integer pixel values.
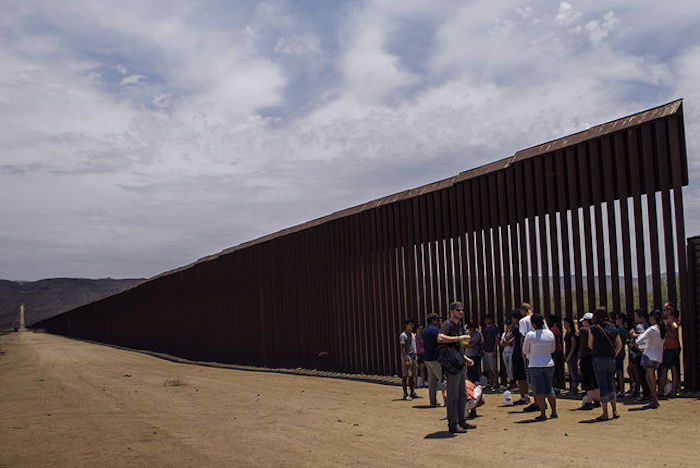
(69, 403)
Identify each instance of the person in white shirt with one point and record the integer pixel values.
(538, 346)
(652, 341)
(525, 327)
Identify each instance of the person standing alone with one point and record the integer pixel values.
(453, 361)
(407, 341)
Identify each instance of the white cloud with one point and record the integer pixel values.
(216, 146)
(131, 79)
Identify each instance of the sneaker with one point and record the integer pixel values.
(407, 398)
(587, 406)
(435, 405)
(466, 425)
(522, 401)
(533, 407)
(415, 395)
(472, 414)
(457, 430)
(596, 404)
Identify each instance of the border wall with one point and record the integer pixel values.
(565, 225)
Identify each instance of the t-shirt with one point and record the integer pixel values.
(525, 325)
(430, 343)
(671, 340)
(490, 337)
(473, 351)
(570, 341)
(449, 328)
(653, 344)
(625, 338)
(517, 342)
(538, 347)
(602, 346)
(504, 337)
(583, 349)
(557, 339)
(409, 339)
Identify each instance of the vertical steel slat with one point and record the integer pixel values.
(563, 204)
(503, 220)
(531, 211)
(412, 227)
(609, 194)
(541, 210)
(571, 166)
(648, 160)
(664, 170)
(496, 244)
(424, 259)
(471, 241)
(438, 259)
(513, 231)
(450, 229)
(375, 313)
(479, 225)
(395, 298)
(521, 187)
(461, 235)
(357, 302)
(622, 166)
(583, 165)
(688, 318)
(488, 248)
(635, 185)
(551, 186)
(597, 197)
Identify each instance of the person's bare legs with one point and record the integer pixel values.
(552, 398)
(604, 404)
(613, 405)
(522, 388)
(663, 378)
(676, 378)
(539, 399)
(651, 380)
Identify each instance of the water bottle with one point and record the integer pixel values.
(507, 398)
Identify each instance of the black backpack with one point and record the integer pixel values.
(450, 358)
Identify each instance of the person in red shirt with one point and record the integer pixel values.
(672, 351)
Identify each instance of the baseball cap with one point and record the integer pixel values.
(586, 316)
(431, 317)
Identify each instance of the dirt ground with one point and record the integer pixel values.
(69, 403)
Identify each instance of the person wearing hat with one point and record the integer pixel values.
(432, 365)
(450, 337)
(588, 380)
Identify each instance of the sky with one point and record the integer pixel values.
(139, 136)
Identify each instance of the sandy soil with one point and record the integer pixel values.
(69, 403)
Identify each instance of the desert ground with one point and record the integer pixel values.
(65, 402)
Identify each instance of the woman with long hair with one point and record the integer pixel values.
(652, 340)
(571, 354)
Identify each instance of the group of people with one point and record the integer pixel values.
(534, 354)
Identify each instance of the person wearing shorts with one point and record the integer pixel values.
(538, 346)
(672, 351)
(653, 341)
(409, 368)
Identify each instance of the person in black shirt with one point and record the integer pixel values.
(571, 353)
(605, 343)
(450, 334)
(518, 361)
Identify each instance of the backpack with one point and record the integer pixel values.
(450, 359)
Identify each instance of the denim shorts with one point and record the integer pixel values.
(649, 363)
(604, 369)
(541, 378)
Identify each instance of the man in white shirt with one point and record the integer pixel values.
(525, 326)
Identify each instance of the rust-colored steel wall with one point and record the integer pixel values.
(567, 225)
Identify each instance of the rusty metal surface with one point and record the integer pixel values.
(333, 293)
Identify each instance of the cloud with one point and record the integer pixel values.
(158, 136)
(131, 79)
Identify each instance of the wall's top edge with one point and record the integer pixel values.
(544, 148)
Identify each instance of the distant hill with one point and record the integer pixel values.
(48, 297)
